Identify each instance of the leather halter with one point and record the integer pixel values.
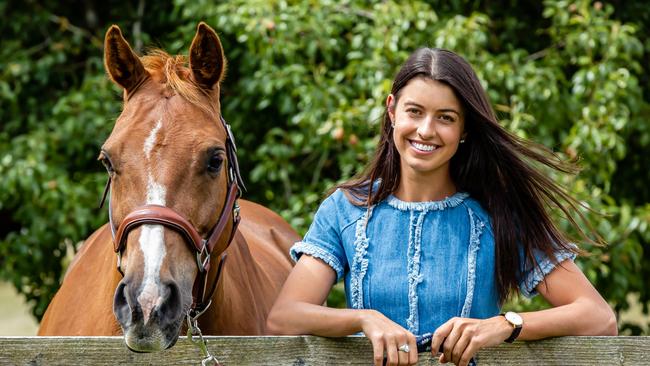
(168, 217)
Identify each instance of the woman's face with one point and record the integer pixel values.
(429, 124)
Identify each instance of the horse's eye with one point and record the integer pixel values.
(214, 163)
(107, 164)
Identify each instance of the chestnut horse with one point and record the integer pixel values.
(174, 183)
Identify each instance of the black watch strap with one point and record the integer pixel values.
(514, 335)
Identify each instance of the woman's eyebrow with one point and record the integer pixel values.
(414, 104)
(448, 110)
(442, 110)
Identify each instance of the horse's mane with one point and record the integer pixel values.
(176, 76)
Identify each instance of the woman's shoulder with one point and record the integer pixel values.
(478, 211)
(342, 199)
(339, 203)
(472, 203)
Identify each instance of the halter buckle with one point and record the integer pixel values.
(203, 257)
(236, 210)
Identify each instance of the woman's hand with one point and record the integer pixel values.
(461, 338)
(386, 335)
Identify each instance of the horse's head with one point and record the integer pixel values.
(168, 148)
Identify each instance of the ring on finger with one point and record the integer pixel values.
(404, 348)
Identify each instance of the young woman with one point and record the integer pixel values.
(448, 220)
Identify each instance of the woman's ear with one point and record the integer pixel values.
(390, 107)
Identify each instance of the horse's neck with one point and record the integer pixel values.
(83, 304)
(241, 300)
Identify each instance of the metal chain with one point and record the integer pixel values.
(194, 330)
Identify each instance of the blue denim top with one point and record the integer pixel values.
(418, 263)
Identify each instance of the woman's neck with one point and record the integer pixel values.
(420, 188)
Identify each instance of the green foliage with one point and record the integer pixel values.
(305, 88)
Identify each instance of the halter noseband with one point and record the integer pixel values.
(203, 248)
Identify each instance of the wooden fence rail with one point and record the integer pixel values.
(309, 350)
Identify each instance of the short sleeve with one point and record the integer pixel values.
(533, 275)
(323, 239)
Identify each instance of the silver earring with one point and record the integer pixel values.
(462, 141)
(392, 124)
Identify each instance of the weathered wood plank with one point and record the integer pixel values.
(308, 350)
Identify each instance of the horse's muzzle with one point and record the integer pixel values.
(149, 323)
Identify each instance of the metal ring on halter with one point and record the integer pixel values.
(404, 348)
(203, 257)
(194, 316)
(236, 210)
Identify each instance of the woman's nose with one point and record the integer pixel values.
(427, 129)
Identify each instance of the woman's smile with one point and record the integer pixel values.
(423, 147)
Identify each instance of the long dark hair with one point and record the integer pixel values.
(494, 166)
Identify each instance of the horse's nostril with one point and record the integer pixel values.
(121, 306)
(171, 304)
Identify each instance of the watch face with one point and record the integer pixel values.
(514, 318)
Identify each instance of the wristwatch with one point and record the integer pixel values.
(517, 322)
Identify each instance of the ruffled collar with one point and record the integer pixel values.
(449, 202)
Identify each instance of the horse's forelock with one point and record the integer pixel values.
(176, 76)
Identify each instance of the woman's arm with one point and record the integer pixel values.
(578, 309)
(298, 310)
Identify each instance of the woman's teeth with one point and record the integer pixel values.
(423, 147)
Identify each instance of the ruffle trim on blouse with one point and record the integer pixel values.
(317, 252)
(476, 229)
(414, 275)
(452, 201)
(359, 261)
(538, 273)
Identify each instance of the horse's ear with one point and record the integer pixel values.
(122, 64)
(207, 61)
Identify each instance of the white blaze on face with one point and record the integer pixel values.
(151, 140)
(152, 239)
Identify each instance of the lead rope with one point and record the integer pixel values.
(194, 330)
(192, 318)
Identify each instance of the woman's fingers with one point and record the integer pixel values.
(469, 352)
(413, 352)
(403, 357)
(391, 350)
(464, 337)
(439, 336)
(377, 351)
(452, 338)
(406, 341)
(460, 347)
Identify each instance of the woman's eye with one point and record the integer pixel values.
(413, 111)
(446, 117)
(214, 164)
